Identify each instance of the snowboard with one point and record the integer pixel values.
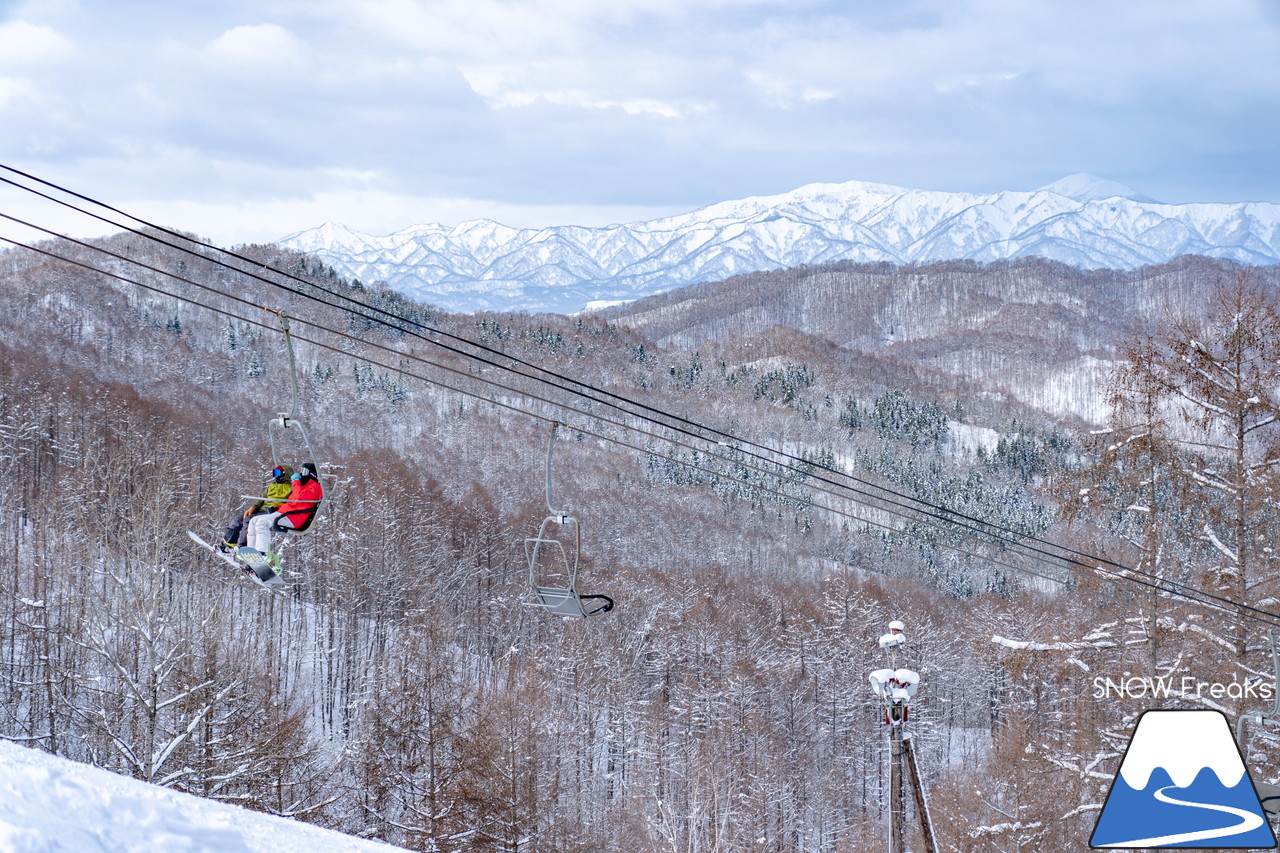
(254, 564)
(261, 569)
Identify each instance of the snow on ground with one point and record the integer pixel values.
(52, 805)
(601, 304)
(966, 439)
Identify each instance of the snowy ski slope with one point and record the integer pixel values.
(52, 805)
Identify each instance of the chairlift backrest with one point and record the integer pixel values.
(535, 546)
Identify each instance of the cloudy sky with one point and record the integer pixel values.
(247, 121)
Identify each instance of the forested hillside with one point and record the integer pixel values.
(405, 691)
(1035, 331)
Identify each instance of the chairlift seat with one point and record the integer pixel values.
(297, 531)
(276, 527)
(567, 602)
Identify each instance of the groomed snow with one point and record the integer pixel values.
(52, 805)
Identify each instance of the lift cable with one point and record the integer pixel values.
(1210, 604)
(692, 428)
(882, 494)
(980, 527)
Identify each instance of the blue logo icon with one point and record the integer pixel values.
(1182, 783)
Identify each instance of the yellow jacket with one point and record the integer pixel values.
(277, 493)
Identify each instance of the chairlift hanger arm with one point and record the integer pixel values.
(287, 420)
(1258, 717)
(293, 370)
(551, 444)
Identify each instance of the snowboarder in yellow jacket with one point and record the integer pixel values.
(277, 492)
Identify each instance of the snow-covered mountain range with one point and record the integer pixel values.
(1081, 220)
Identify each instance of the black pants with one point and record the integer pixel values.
(238, 529)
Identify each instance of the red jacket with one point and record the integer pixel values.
(299, 513)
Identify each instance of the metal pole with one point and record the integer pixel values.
(895, 687)
(1256, 716)
(897, 802)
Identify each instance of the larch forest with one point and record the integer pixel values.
(404, 689)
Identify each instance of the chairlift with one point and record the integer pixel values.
(266, 571)
(562, 600)
(1268, 795)
(285, 421)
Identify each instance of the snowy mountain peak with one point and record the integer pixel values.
(828, 192)
(337, 231)
(484, 265)
(1083, 186)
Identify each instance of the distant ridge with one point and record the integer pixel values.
(1085, 187)
(1082, 220)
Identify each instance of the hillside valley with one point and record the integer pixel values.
(1036, 332)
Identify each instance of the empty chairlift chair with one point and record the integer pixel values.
(557, 591)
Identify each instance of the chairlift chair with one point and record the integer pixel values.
(1268, 794)
(562, 600)
(285, 421)
(1269, 719)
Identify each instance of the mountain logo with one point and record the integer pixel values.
(1182, 783)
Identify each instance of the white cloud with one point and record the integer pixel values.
(567, 106)
(16, 90)
(784, 93)
(971, 82)
(492, 28)
(505, 86)
(24, 44)
(640, 57)
(249, 47)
